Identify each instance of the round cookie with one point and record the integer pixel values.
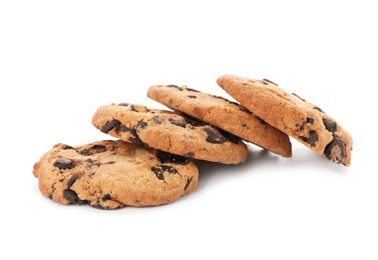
(170, 132)
(224, 114)
(291, 114)
(114, 174)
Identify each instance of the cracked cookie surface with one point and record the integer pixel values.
(169, 131)
(222, 113)
(291, 114)
(113, 174)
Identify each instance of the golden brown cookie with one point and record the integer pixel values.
(291, 114)
(224, 114)
(114, 174)
(169, 131)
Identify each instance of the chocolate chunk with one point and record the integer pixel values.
(85, 152)
(132, 108)
(192, 90)
(71, 181)
(172, 86)
(72, 197)
(159, 170)
(214, 136)
(192, 96)
(335, 150)
(188, 182)
(142, 125)
(106, 197)
(123, 104)
(267, 80)
(178, 122)
(93, 150)
(67, 147)
(318, 108)
(299, 127)
(63, 164)
(298, 96)
(125, 129)
(134, 138)
(310, 120)
(171, 158)
(330, 125)
(190, 155)
(158, 119)
(110, 125)
(311, 139)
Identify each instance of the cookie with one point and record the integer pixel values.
(291, 114)
(224, 114)
(169, 131)
(114, 174)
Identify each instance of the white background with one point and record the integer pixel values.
(61, 60)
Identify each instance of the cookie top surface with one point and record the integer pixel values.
(114, 174)
(222, 113)
(169, 131)
(291, 114)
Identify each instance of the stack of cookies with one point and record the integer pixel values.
(152, 160)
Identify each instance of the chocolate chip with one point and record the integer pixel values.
(310, 120)
(171, 158)
(318, 108)
(72, 197)
(188, 182)
(142, 125)
(330, 125)
(63, 164)
(158, 119)
(123, 104)
(311, 139)
(335, 150)
(192, 96)
(110, 125)
(267, 80)
(214, 136)
(179, 123)
(298, 96)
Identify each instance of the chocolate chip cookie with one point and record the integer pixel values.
(114, 174)
(169, 131)
(222, 113)
(291, 114)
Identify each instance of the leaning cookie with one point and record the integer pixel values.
(224, 114)
(114, 174)
(291, 114)
(169, 131)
